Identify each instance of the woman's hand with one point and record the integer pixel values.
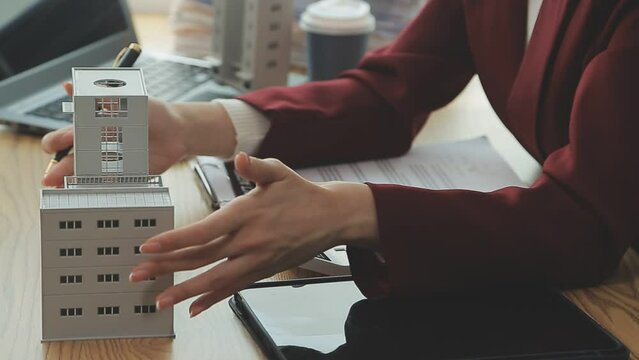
(175, 132)
(282, 223)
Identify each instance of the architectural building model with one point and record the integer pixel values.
(252, 42)
(92, 228)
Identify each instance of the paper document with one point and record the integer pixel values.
(468, 164)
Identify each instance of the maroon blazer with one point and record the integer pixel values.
(571, 98)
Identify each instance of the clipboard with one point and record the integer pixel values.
(532, 324)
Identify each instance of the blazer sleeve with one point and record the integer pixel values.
(377, 109)
(570, 228)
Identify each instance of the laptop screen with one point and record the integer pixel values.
(33, 32)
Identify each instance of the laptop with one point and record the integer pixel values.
(41, 40)
(222, 184)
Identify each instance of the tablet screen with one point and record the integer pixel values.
(311, 316)
(310, 321)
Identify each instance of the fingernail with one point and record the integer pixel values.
(138, 275)
(150, 248)
(248, 158)
(195, 311)
(163, 302)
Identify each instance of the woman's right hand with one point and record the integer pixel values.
(175, 132)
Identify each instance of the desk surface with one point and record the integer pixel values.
(216, 334)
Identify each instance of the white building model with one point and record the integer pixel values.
(93, 227)
(252, 42)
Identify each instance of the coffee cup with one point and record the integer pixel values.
(337, 34)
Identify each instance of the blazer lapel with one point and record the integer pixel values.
(525, 98)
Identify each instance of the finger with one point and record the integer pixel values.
(260, 171)
(213, 297)
(223, 221)
(218, 278)
(58, 140)
(55, 177)
(180, 260)
(153, 269)
(68, 87)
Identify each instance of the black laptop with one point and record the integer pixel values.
(41, 40)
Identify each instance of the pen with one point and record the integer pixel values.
(125, 58)
(128, 55)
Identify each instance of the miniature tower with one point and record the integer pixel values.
(252, 42)
(91, 229)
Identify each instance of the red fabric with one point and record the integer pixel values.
(570, 98)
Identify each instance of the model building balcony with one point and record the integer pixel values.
(113, 181)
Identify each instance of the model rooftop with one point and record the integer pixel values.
(108, 82)
(102, 198)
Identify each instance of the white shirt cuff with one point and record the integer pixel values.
(250, 125)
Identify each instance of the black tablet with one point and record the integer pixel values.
(328, 318)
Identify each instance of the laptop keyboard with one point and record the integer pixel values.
(164, 79)
(53, 110)
(167, 80)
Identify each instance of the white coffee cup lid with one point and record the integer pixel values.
(338, 17)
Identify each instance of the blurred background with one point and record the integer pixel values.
(190, 23)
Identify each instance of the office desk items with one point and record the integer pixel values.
(332, 320)
(467, 164)
(128, 55)
(91, 229)
(191, 23)
(391, 16)
(56, 158)
(217, 333)
(125, 58)
(470, 164)
(30, 81)
(221, 184)
(337, 33)
(252, 42)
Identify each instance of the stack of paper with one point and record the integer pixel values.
(469, 164)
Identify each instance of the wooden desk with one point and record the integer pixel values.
(216, 334)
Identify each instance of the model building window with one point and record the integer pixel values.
(109, 250)
(66, 312)
(108, 224)
(145, 223)
(111, 149)
(273, 45)
(71, 252)
(136, 250)
(108, 310)
(102, 278)
(111, 107)
(71, 279)
(70, 225)
(274, 26)
(144, 309)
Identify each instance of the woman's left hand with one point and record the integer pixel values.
(282, 223)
